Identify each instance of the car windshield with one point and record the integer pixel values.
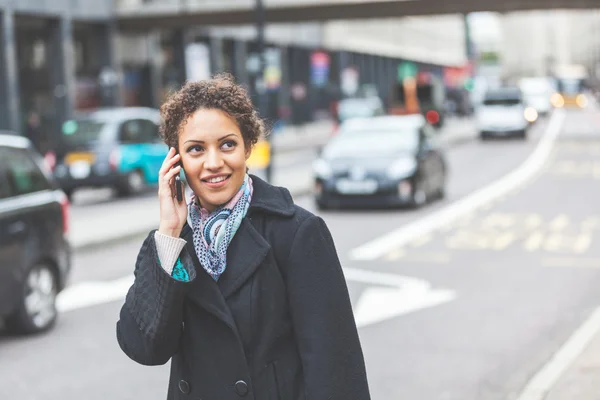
(535, 87)
(356, 108)
(82, 131)
(570, 86)
(501, 102)
(369, 143)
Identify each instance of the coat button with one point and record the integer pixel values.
(241, 388)
(184, 386)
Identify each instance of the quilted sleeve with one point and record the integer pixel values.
(151, 318)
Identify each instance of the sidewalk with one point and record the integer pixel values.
(581, 381)
(100, 223)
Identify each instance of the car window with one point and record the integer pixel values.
(5, 190)
(502, 102)
(22, 173)
(138, 131)
(149, 131)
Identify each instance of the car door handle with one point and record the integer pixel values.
(16, 228)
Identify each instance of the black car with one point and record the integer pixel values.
(35, 256)
(381, 161)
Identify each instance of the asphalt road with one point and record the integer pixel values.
(469, 311)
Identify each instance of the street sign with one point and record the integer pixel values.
(319, 68)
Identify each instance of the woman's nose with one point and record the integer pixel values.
(213, 160)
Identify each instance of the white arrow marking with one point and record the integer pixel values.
(87, 294)
(396, 296)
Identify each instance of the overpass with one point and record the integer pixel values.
(146, 15)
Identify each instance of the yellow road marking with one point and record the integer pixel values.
(395, 254)
(571, 262)
(421, 240)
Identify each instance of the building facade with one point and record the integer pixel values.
(62, 56)
(47, 49)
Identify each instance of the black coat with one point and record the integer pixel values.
(278, 324)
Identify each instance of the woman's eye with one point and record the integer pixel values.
(195, 149)
(228, 145)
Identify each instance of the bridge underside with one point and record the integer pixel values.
(327, 12)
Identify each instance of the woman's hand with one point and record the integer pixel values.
(173, 213)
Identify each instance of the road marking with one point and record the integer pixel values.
(393, 295)
(571, 262)
(537, 388)
(380, 246)
(87, 294)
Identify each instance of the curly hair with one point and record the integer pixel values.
(219, 93)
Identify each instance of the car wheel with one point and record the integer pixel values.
(69, 194)
(322, 205)
(523, 135)
(441, 192)
(134, 184)
(37, 309)
(419, 197)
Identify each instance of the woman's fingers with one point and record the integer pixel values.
(169, 161)
(171, 174)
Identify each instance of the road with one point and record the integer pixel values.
(465, 299)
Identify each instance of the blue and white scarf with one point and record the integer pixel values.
(212, 232)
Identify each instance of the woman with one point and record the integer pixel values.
(241, 288)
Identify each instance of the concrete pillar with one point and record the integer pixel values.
(216, 55)
(180, 40)
(10, 103)
(62, 68)
(104, 47)
(156, 68)
(240, 49)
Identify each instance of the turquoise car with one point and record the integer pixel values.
(116, 147)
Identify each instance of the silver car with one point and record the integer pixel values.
(503, 112)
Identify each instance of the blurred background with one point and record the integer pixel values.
(451, 146)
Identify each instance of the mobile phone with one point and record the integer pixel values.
(179, 188)
(178, 184)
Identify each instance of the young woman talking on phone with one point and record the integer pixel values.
(240, 288)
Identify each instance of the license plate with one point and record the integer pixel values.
(75, 157)
(79, 169)
(345, 186)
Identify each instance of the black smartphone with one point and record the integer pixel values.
(178, 184)
(179, 188)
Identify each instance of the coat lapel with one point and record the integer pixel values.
(245, 253)
(204, 290)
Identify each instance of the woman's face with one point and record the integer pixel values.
(213, 156)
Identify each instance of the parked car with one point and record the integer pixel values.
(381, 161)
(504, 113)
(115, 147)
(35, 257)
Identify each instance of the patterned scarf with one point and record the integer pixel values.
(213, 231)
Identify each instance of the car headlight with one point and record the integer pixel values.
(402, 168)
(582, 101)
(531, 114)
(322, 169)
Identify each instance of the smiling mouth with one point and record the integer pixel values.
(216, 179)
